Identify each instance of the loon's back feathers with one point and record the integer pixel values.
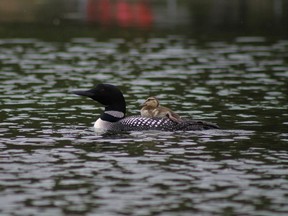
(165, 124)
(113, 118)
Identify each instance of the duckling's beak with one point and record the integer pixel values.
(143, 104)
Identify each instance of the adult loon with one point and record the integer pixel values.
(151, 108)
(113, 118)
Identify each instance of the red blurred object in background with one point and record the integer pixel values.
(124, 12)
(143, 14)
(105, 12)
(121, 12)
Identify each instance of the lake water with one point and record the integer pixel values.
(52, 163)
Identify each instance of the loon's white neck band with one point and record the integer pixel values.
(116, 114)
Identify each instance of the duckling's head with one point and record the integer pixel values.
(151, 102)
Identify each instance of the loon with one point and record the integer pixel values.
(113, 118)
(151, 108)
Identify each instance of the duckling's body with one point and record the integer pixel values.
(151, 108)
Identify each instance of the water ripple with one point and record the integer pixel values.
(54, 163)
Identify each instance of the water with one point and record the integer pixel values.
(52, 163)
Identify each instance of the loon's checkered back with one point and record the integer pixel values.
(139, 123)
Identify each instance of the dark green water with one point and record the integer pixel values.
(52, 163)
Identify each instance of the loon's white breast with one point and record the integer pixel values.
(102, 124)
(105, 124)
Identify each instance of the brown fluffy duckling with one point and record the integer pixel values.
(151, 108)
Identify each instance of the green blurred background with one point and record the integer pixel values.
(203, 18)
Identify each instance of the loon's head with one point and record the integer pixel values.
(108, 95)
(151, 102)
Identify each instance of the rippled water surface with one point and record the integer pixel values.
(52, 163)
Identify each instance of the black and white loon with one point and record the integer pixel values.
(113, 118)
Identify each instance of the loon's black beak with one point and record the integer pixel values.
(84, 93)
(105, 94)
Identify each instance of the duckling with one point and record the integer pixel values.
(151, 108)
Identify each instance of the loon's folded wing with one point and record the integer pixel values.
(138, 123)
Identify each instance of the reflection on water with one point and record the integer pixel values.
(52, 162)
